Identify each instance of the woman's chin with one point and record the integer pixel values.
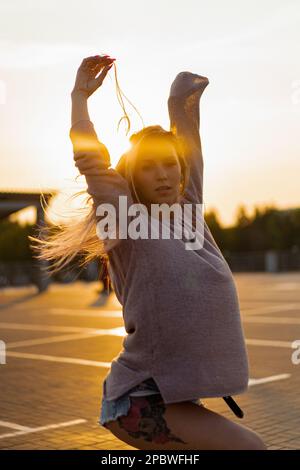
(164, 200)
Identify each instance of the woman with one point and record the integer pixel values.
(180, 306)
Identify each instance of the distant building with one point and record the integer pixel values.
(12, 201)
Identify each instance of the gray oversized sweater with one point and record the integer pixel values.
(180, 307)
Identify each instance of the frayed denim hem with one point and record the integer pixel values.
(112, 409)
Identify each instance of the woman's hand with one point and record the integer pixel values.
(86, 78)
(186, 83)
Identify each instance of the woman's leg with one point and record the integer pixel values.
(150, 424)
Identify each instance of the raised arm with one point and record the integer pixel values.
(184, 113)
(91, 156)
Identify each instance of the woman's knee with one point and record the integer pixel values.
(255, 442)
(203, 429)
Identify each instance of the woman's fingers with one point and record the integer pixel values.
(100, 66)
(86, 62)
(97, 64)
(96, 59)
(103, 73)
(89, 63)
(86, 78)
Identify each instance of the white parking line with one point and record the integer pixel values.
(49, 340)
(269, 343)
(274, 321)
(79, 333)
(265, 380)
(8, 424)
(271, 308)
(42, 428)
(100, 313)
(62, 338)
(66, 360)
(53, 328)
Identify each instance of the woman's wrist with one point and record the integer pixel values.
(79, 107)
(78, 95)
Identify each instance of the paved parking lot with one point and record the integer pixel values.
(59, 345)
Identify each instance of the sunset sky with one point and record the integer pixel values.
(250, 111)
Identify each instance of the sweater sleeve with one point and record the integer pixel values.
(92, 159)
(184, 114)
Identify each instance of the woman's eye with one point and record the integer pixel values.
(147, 167)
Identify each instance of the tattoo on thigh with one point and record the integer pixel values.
(145, 419)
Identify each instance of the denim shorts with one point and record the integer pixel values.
(112, 409)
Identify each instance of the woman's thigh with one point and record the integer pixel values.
(151, 424)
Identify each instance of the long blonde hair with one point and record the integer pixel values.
(59, 244)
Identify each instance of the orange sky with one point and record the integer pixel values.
(250, 111)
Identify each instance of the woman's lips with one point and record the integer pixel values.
(161, 190)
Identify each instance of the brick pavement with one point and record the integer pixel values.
(51, 383)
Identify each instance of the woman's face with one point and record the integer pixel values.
(157, 165)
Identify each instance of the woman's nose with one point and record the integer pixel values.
(161, 171)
